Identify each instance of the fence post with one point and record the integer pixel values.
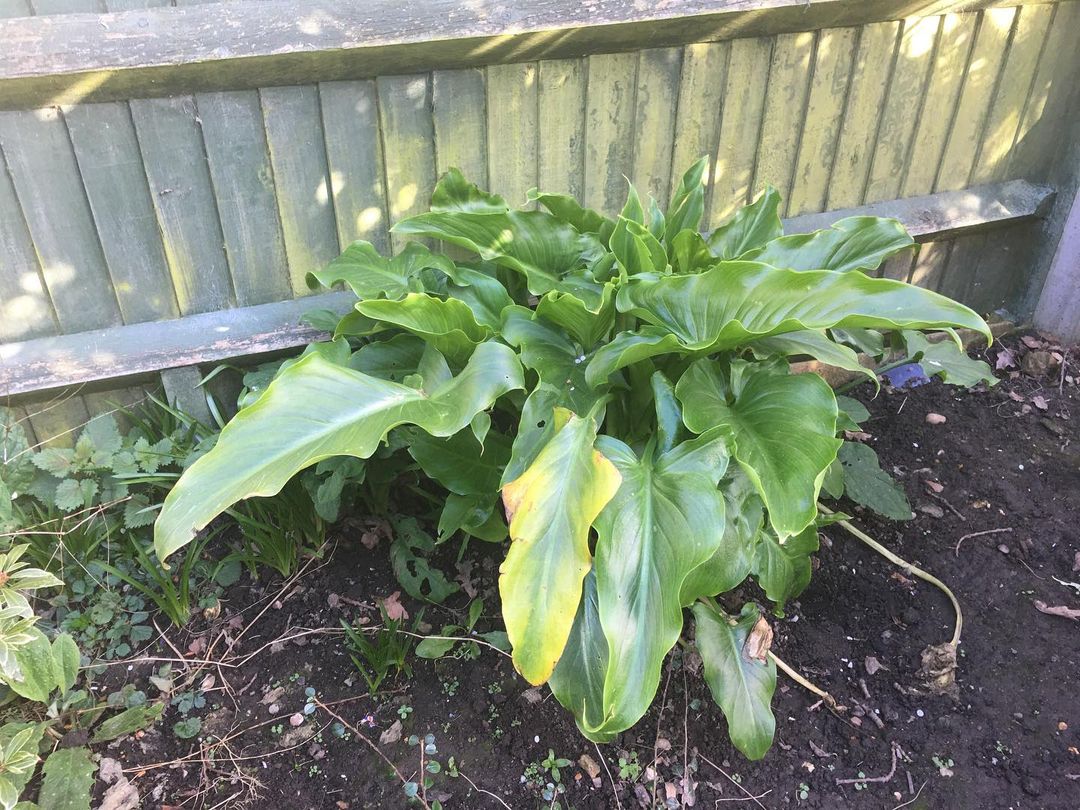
(1058, 310)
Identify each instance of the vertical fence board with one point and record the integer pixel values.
(459, 109)
(57, 421)
(939, 104)
(900, 115)
(239, 161)
(609, 130)
(408, 138)
(701, 94)
(172, 149)
(740, 126)
(930, 261)
(49, 187)
(15, 8)
(107, 151)
(512, 128)
(789, 75)
(822, 120)
(294, 133)
(654, 120)
(26, 311)
(561, 147)
(350, 112)
(870, 75)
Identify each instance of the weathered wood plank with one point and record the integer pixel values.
(56, 422)
(900, 116)
(25, 308)
(785, 105)
(297, 144)
(740, 126)
(512, 127)
(938, 105)
(697, 126)
(825, 105)
(948, 213)
(47, 181)
(15, 8)
(561, 147)
(107, 151)
(67, 6)
(870, 76)
(659, 70)
(1058, 310)
(459, 109)
(409, 139)
(134, 350)
(172, 148)
(930, 262)
(239, 161)
(609, 130)
(976, 97)
(354, 155)
(68, 58)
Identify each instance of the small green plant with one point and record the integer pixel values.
(554, 765)
(629, 768)
(803, 792)
(374, 658)
(627, 379)
(404, 711)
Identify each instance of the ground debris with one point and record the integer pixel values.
(937, 675)
(1057, 610)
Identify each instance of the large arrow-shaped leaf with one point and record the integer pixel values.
(783, 427)
(578, 680)
(813, 343)
(551, 508)
(855, 243)
(449, 325)
(666, 519)
(736, 302)
(750, 228)
(741, 685)
(315, 410)
(372, 275)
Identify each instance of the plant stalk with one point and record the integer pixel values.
(914, 570)
(799, 679)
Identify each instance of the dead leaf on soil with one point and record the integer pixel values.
(857, 436)
(197, 646)
(1006, 359)
(1040, 402)
(873, 666)
(1015, 397)
(937, 674)
(931, 509)
(464, 577)
(532, 696)
(391, 735)
(369, 540)
(273, 695)
(1032, 342)
(395, 611)
(1037, 364)
(588, 764)
(934, 486)
(1058, 610)
(757, 644)
(819, 751)
(1076, 561)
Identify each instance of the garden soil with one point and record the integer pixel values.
(1006, 460)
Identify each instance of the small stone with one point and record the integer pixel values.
(1063, 726)
(932, 509)
(296, 720)
(274, 708)
(935, 419)
(1004, 549)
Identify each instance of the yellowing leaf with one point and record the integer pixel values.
(551, 507)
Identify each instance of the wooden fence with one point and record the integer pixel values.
(161, 161)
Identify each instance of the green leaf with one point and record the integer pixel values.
(741, 685)
(551, 508)
(687, 203)
(566, 208)
(454, 193)
(393, 359)
(854, 243)
(449, 325)
(128, 722)
(538, 245)
(482, 293)
(732, 562)
(104, 433)
(636, 249)
(69, 778)
(723, 308)
(783, 428)
(431, 647)
(867, 484)
(408, 557)
(570, 313)
(665, 520)
(578, 679)
(55, 460)
(751, 227)
(66, 659)
(690, 253)
(627, 348)
(783, 569)
(35, 661)
(315, 410)
(370, 275)
(187, 728)
(669, 421)
(812, 343)
(948, 361)
(832, 484)
(460, 463)
(852, 412)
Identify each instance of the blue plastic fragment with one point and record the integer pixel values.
(909, 375)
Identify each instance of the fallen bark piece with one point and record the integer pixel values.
(1058, 610)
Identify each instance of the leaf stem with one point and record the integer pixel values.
(799, 679)
(914, 570)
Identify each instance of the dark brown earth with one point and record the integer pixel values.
(1010, 741)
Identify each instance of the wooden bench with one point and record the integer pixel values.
(176, 348)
